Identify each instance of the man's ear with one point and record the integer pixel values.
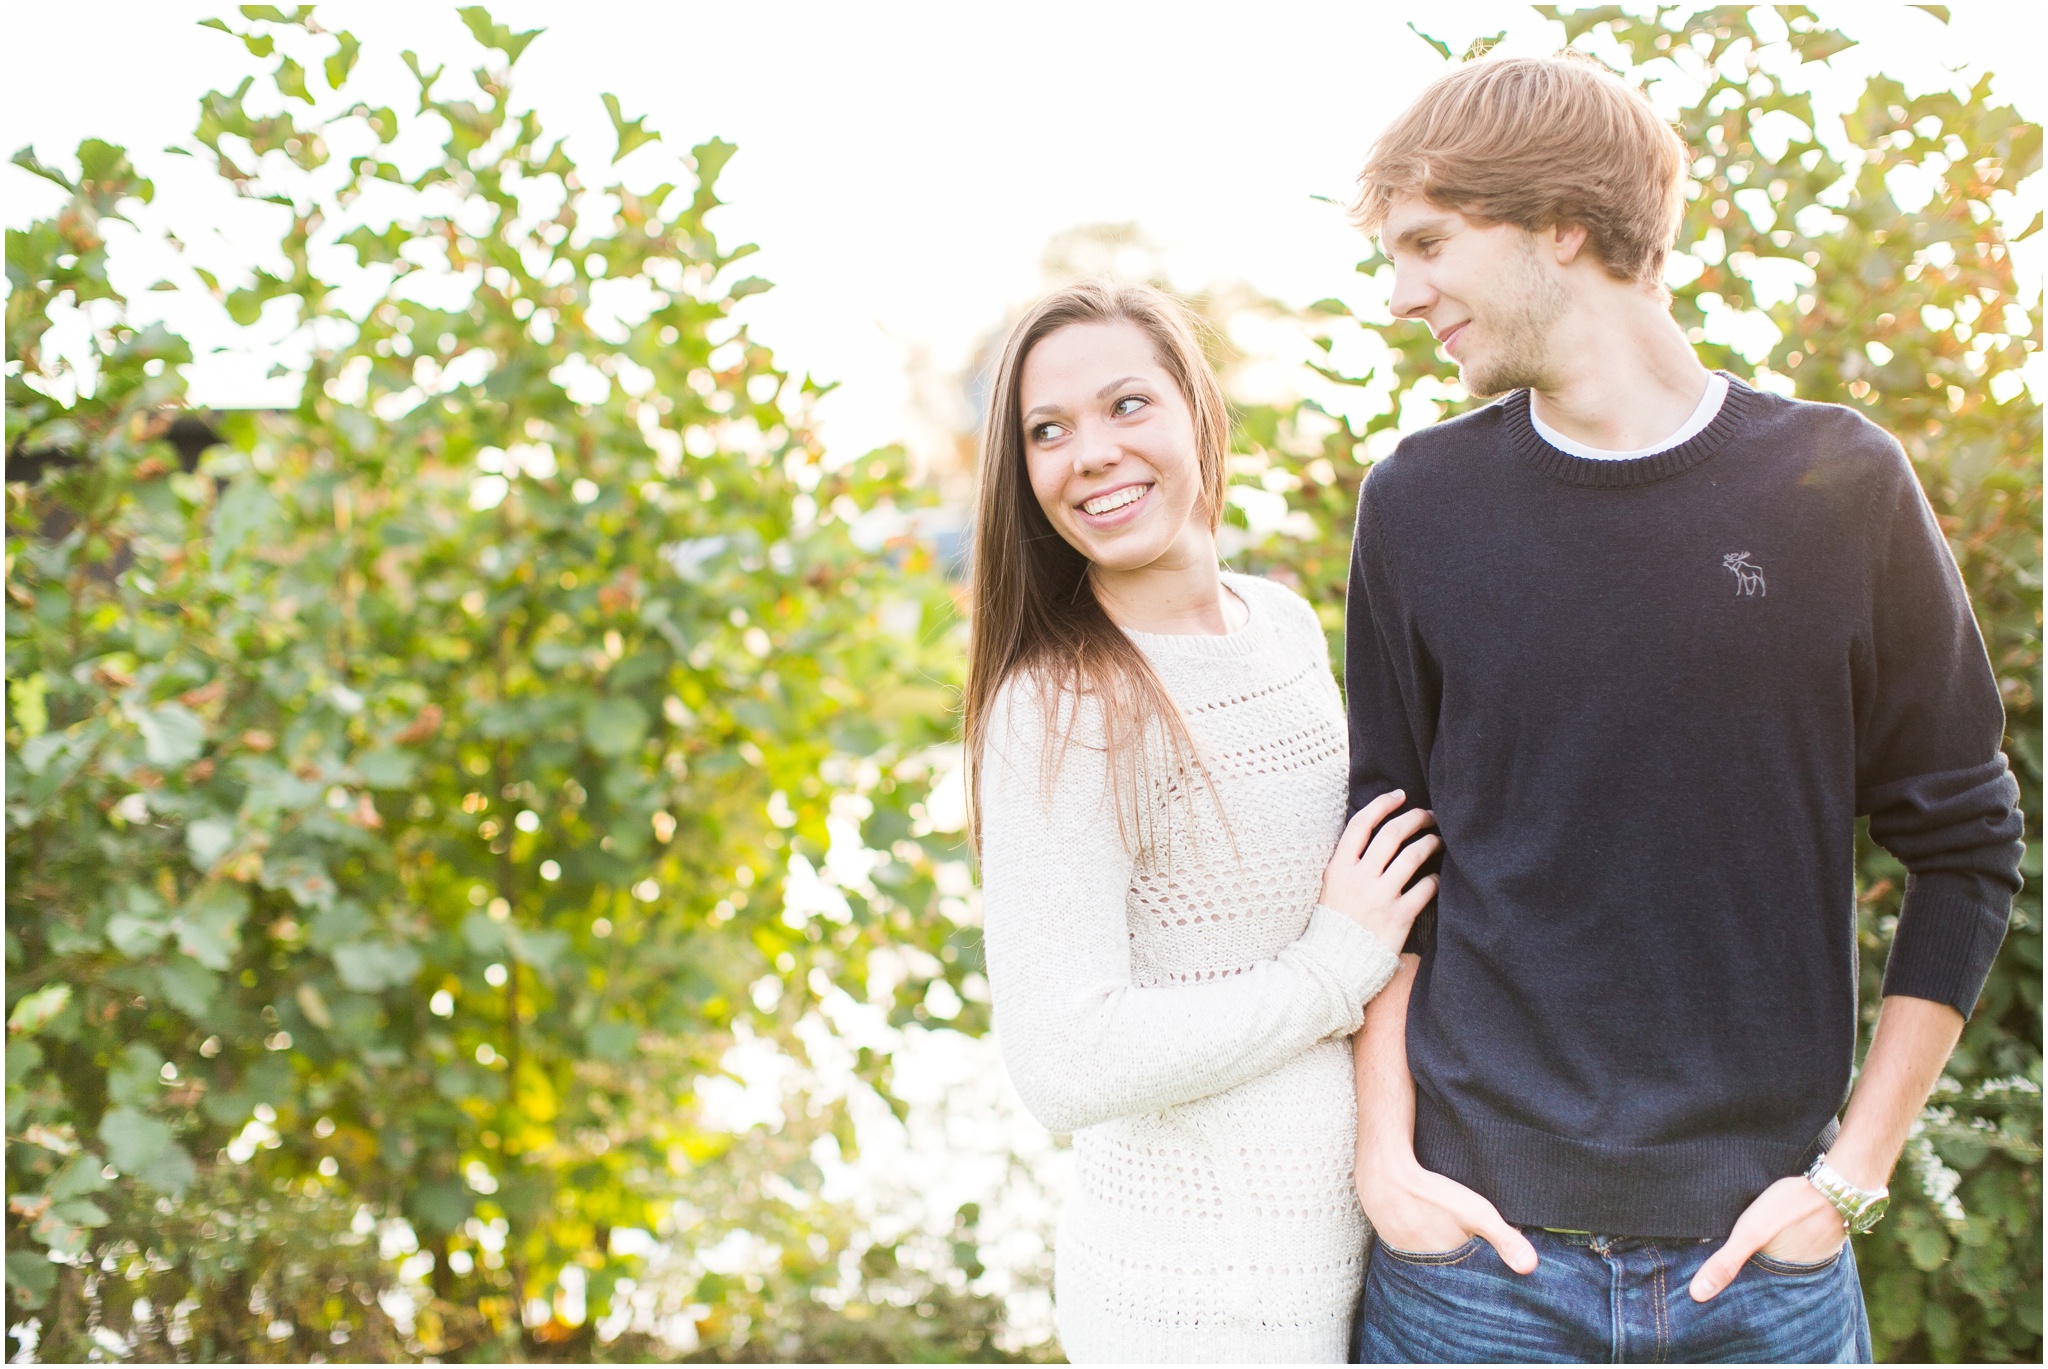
(1567, 240)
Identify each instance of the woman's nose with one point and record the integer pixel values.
(1095, 451)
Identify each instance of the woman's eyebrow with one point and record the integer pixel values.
(1102, 393)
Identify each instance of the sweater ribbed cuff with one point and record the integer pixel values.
(1361, 961)
(1950, 928)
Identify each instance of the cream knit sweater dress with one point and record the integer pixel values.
(1185, 1015)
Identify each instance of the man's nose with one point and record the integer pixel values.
(1412, 295)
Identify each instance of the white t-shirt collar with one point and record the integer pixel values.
(1702, 414)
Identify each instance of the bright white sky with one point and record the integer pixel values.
(903, 166)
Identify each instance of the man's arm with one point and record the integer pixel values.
(1411, 1208)
(1791, 1219)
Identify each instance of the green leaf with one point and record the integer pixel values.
(30, 712)
(482, 935)
(613, 1041)
(136, 934)
(172, 735)
(304, 878)
(1928, 1247)
(209, 925)
(79, 1176)
(35, 1009)
(1443, 49)
(135, 1079)
(632, 133)
(31, 1278)
(343, 61)
(80, 1212)
(372, 966)
(27, 161)
(246, 510)
(338, 925)
(244, 306)
(388, 768)
(614, 726)
(541, 948)
(495, 35)
(145, 1147)
(438, 1206)
(291, 79)
(207, 840)
(709, 159)
(187, 986)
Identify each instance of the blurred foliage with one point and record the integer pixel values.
(1910, 313)
(409, 800)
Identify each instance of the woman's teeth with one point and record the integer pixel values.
(1110, 503)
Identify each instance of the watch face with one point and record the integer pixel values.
(1869, 1216)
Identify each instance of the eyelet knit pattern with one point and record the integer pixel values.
(1184, 1013)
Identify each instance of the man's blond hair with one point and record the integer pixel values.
(1538, 142)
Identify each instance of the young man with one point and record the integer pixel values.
(1647, 641)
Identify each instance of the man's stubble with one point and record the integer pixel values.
(1529, 304)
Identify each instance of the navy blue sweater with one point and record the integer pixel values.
(1647, 701)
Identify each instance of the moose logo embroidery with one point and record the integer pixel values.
(1748, 579)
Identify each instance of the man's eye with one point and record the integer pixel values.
(1129, 404)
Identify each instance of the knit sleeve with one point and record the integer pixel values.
(1083, 1044)
(1390, 686)
(1929, 770)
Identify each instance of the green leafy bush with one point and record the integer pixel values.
(402, 796)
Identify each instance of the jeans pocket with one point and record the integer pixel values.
(1454, 1255)
(1791, 1269)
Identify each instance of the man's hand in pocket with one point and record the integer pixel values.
(1416, 1211)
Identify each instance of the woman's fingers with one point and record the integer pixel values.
(1411, 904)
(1359, 830)
(1403, 866)
(1389, 839)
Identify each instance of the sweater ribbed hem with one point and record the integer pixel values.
(1946, 940)
(1680, 1189)
(1563, 466)
(1105, 1340)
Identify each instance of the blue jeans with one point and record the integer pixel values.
(1605, 1300)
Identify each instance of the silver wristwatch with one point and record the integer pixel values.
(1860, 1207)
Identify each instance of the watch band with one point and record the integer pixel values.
(1860, 1207)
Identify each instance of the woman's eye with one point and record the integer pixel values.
(1129, 404)
(1045, 432)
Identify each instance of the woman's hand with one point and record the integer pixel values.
(1370, 869)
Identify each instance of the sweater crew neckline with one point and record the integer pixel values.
(1248, 639)
(1569, 469)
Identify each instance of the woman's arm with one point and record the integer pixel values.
(1082, 1043)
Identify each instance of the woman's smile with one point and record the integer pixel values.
(1114, 508)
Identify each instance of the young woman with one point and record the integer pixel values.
(1157, 770)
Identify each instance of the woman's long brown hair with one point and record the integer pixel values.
(1034, 603)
